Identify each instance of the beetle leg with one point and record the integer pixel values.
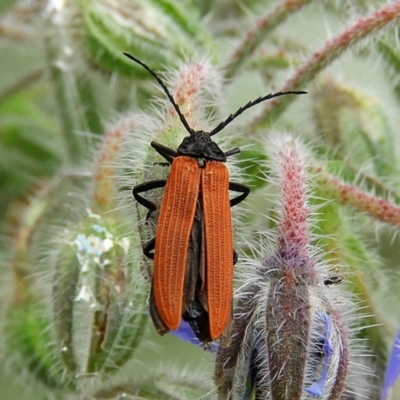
(240, 188)
(144, 187)
(162, 164)
(232, 152)
(235, 257)
(148, 247)
(197, 317)
(166, 152)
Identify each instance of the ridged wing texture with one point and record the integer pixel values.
(219, 245)
(172, 237)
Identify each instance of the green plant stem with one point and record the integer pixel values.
(62, 84)
(21, 84)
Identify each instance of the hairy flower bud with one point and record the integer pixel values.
(78, 311)
(98, 313)
(292, 338)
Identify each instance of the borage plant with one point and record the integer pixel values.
(315, 301)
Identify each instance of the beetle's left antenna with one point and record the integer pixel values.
(169, 95)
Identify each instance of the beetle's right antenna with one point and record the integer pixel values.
(250, 104)
(169, 95)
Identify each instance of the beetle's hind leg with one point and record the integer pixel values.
(148, 248)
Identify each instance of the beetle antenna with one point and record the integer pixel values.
(169, 95)
(250, 104)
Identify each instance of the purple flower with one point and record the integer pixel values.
(393, 368)
(322, 354)
(317, 388)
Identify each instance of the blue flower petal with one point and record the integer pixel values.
(185, 332)
(393, 367)
(317, 388)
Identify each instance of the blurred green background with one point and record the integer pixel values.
(64, 83)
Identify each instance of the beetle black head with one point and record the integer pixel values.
(199, 143)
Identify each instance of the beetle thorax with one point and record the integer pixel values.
(199, 144)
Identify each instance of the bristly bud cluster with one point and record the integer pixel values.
(293, 340)
(77, 314)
